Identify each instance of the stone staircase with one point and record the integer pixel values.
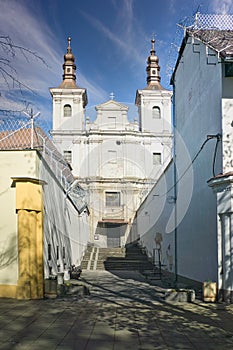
(130, 258)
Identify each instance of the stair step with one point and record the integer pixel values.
(130, 258)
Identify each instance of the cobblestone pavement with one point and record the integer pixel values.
(122, 312)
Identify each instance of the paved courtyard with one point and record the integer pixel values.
(121, 312)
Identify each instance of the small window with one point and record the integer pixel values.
(156, 112)
(112, 199)
(57, 252)
(68, 156)
(63, 252)
(157, 159)
(229, 69)
(67, 111)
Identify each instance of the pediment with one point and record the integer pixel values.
(111, 105)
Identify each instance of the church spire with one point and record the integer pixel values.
(153, 69)
(69, 69)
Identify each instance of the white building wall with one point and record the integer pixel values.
(13, 164)
(227, 122)
(222, 186)
(64, 226)
(187, 220)
(155, 220)
(147, 99)
(198, 111)
(74, 98)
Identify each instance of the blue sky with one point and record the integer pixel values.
(110, 40)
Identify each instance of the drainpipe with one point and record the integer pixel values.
(175, 187)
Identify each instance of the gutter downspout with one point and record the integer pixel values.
(175, 188)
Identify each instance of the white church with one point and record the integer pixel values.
(116, 161)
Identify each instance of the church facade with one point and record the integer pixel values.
(116, 161)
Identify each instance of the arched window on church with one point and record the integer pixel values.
(67, 111)
(156, 114)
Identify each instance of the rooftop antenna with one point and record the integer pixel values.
(32, 117)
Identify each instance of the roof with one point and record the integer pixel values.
(220, 176)
(221, 41)
(24, 139)
(21, 139)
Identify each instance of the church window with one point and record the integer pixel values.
(67, 111)
(67, 156)
(157, 159)
(156, 114)
(112, 199)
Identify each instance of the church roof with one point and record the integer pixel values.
(153, 71)
(69, 69)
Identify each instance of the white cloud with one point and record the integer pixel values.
(222, 6)
(126, 35)
(172, 6)
(26, 27)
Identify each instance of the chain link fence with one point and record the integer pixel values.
(21, 134)
(210, 21)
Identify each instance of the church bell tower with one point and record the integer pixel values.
(154, 101)
(69, 100)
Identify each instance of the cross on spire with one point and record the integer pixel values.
(69, 41)
(153, 44)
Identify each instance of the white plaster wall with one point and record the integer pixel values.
(227, 133)
(198, 111)
(13, 164)
(223, 188)
(64, 226)
(191, 209)
(73, 97)
(149, 99)
(155, 220)
(111, 115)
